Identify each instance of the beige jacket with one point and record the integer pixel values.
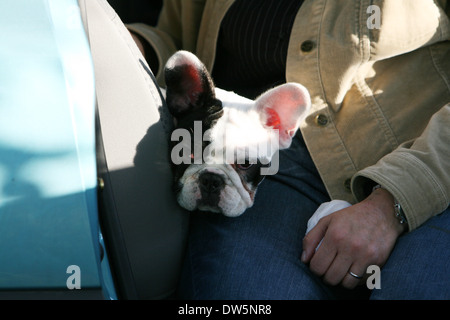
(380, 96)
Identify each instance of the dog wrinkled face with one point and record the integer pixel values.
(223, 144)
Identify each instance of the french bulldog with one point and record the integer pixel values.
(223, 145)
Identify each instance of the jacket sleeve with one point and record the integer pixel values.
(417, 173)
(164, 39)
(177, 28)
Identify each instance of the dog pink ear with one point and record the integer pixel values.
(188, 83)
(284, 108)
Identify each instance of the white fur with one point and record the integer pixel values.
(183, 57)
(240, 129)
(244, 129)
(234, 198)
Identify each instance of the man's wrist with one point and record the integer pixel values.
(396, 211)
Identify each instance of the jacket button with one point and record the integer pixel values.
(307, 46)
(321, 120)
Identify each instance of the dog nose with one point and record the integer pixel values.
(211, 183)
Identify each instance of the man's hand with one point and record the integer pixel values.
(353, 239)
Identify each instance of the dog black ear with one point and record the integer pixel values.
(189, 85)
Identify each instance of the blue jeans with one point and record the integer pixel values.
(257, 255)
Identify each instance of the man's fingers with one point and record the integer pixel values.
(338, 270)
(323, 258)
(312, 240)
(354, 276)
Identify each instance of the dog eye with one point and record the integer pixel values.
(244, 166)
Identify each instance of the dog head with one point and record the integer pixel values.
(224, 144)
